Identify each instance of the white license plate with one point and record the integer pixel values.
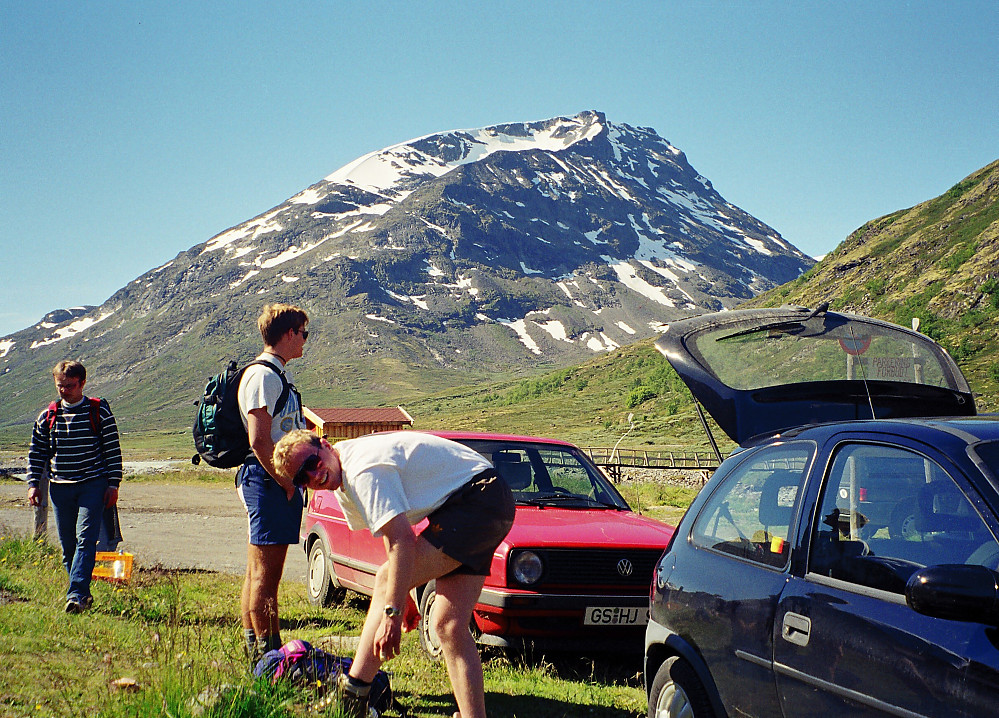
(615, 616)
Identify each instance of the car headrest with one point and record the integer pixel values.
(516, 473)
(776, 506)
(942, 507)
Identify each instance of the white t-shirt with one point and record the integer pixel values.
(260, 388)
(404, 472)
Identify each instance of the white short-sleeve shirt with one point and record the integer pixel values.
(404, 472)
(260, 388)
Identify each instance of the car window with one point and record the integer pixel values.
(820, 349)
(988, 452)
(886, 512)
(750, 513)
(565, 472)
(549, 474)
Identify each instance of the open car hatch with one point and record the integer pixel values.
(759, 371)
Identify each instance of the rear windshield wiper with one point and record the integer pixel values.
(785, 326)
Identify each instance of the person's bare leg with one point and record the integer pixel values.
(244, 598)
(259, 600)
(456, 597)
(428, 564)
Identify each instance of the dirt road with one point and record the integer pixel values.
(202, 527)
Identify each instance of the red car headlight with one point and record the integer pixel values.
(527, 568)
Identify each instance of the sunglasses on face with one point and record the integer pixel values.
(304, 333)
(307, 467)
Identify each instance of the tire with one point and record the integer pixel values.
(322, 587)
(903, 520)
(678, 693)
(429, 641)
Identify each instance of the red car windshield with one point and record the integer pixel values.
(548, 474)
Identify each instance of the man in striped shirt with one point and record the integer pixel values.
(77, 439)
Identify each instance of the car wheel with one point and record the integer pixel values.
(903, 521)
(323, 589)
(429, 641)
(678, 693)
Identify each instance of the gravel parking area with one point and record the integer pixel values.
(165, 524)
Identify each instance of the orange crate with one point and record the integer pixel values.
(113, 566)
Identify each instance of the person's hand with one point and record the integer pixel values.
(110, 497)
(388, 638)
(34, 496)
(410, 615)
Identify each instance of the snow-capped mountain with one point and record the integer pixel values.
(492, 248)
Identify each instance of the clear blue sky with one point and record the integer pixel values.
(131, 131)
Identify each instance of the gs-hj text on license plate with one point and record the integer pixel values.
(615, 616)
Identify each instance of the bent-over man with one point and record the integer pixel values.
(386, 483)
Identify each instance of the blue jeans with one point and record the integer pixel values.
(79, 508)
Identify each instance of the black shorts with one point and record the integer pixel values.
(473, 522)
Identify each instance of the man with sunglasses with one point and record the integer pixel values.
(387, 483)
(273, 504)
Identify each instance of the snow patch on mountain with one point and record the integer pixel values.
(385, 171)
(628, 276)
(519, 327)
(253, 229)
(72, 329)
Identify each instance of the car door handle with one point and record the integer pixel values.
(796, 629)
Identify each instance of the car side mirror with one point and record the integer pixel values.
(956, 592)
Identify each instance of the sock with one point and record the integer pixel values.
(250, 638)
(355, 686)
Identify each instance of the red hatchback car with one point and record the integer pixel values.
(573, 572)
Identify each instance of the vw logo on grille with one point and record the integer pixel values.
(624, 567)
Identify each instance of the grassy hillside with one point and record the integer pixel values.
(588, 404)
(937, 261)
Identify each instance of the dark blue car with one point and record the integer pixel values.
(843, 560)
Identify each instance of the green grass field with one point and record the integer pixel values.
(151, 648)
(170, 637)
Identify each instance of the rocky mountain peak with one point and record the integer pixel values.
(498, 247)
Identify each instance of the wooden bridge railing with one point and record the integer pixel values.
(613, 460)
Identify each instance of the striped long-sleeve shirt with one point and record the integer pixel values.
(75, 451)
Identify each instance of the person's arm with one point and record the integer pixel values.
(258, 429)
(111, 454)
(39, 455)
(400, 545)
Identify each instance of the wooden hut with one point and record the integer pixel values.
(335, 424)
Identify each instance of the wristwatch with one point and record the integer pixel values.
(391, 611)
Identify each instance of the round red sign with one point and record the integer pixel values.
(855, 345)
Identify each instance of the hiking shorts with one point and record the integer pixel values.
(273, 518)
(472, 522)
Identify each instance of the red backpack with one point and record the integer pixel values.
(95, 416)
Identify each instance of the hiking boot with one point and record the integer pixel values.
(348, 701)
(86, 603)
(346, 706)
(350, 705)
(74, 606)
